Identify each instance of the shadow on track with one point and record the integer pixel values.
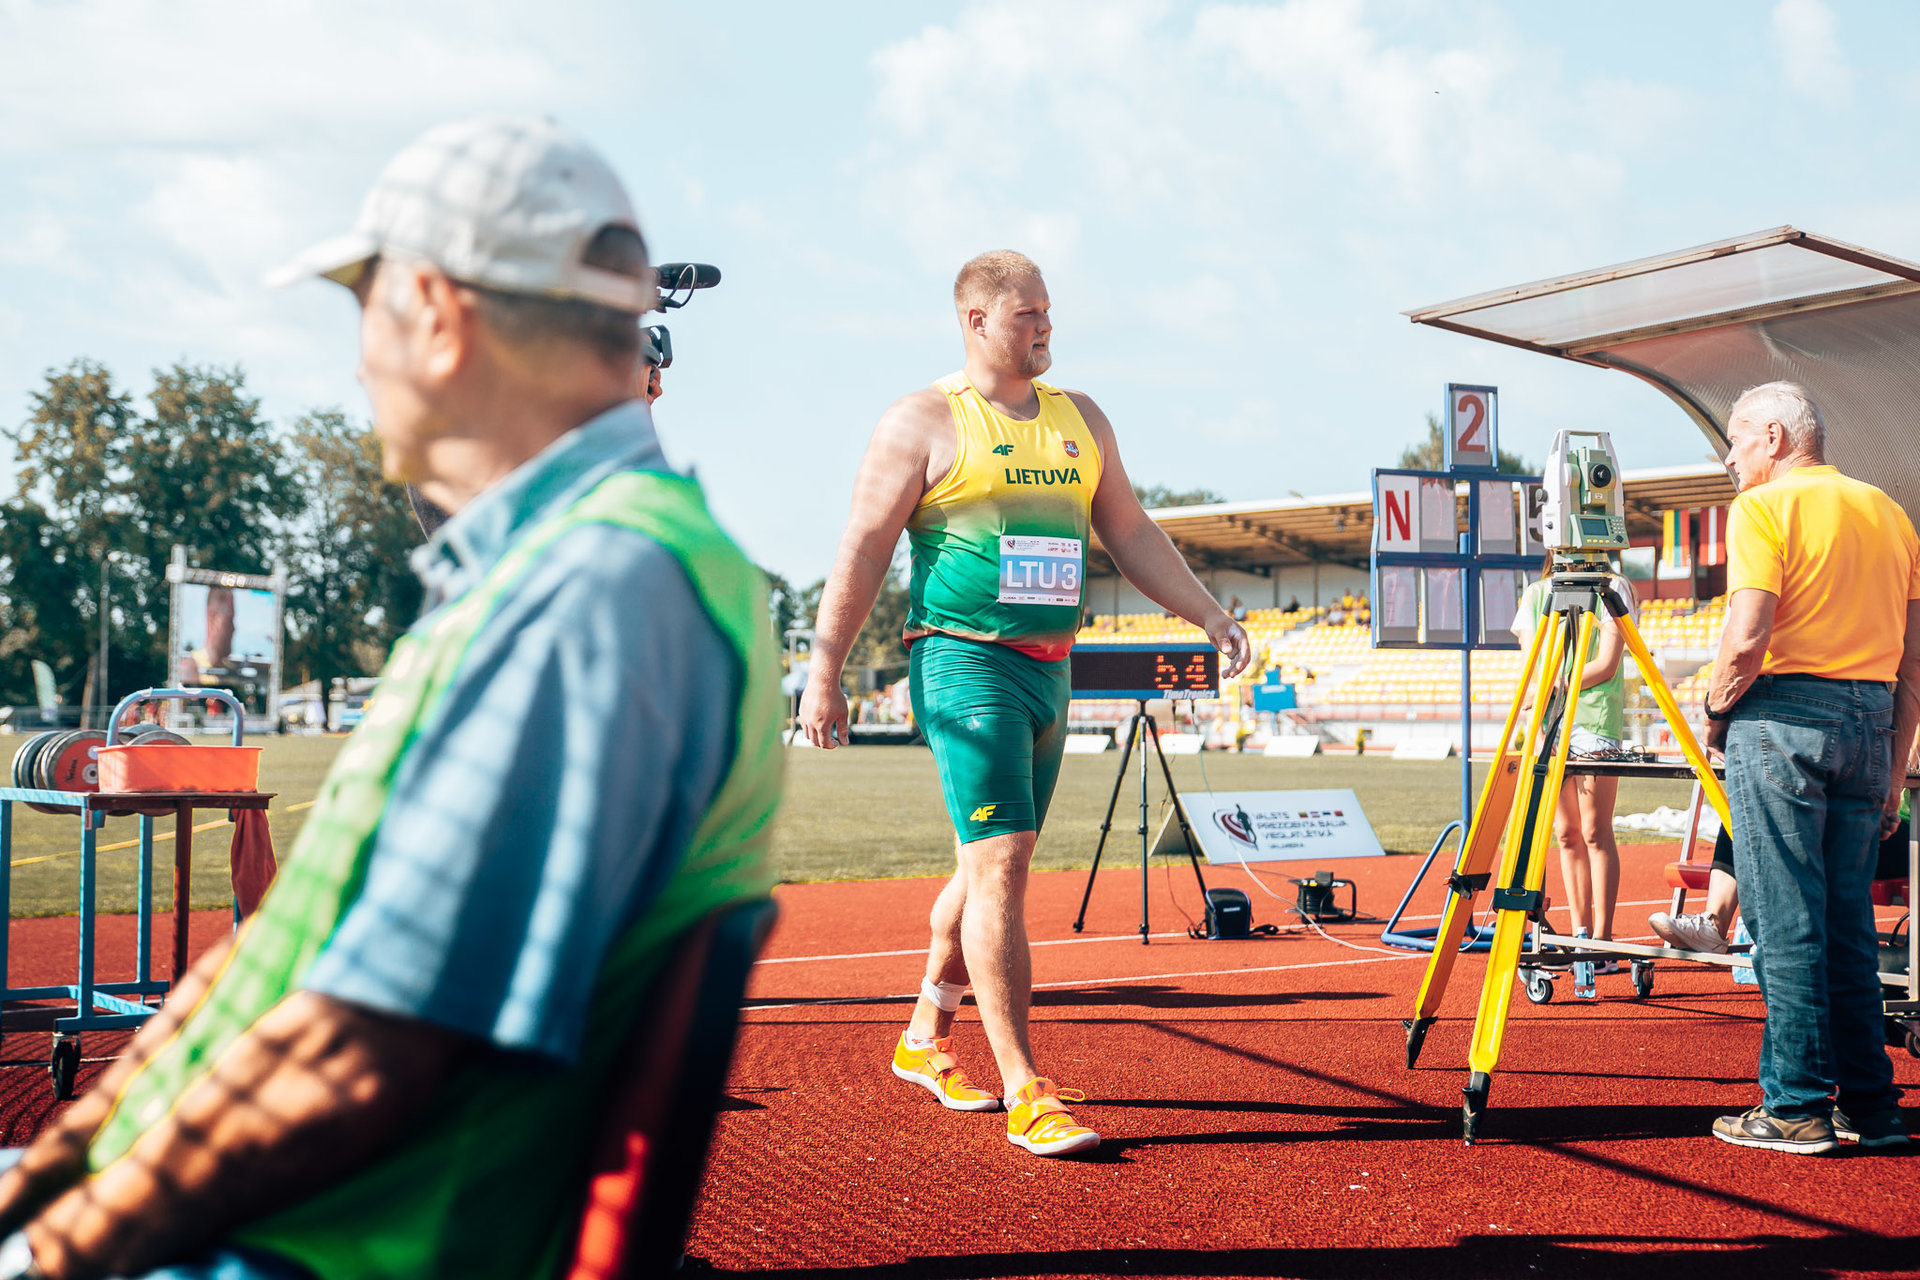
(1562, 1257)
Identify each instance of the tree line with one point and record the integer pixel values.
(105, 481)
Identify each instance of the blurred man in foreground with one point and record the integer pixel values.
(1815, 696)
(394, 1069)
(998, 479)
(646, 387)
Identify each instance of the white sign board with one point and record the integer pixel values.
(1497, 523)
(1275, 826)
(1292, 746)
(1396, 610)
(1445, 613)
(1439, 518)
(1397, 519)
(1088, 744)
(1532, 539)
(1471, 426)
(1499, 602)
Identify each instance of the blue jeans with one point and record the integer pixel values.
(215, 1264)
(1809, 761)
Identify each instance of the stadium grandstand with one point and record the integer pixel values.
(1298, 570)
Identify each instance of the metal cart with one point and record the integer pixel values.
(100, 1006)
(1548, 952)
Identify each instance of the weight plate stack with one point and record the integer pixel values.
(27, 765)
(73, 762)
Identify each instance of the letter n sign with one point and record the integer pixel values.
(1472, 434)
(1398, 515)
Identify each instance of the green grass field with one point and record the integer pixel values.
(46, 847)
(870, 812)
(858, 813)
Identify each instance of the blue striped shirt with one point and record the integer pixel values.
(558, 783)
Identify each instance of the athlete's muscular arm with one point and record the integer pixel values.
(912, 447)
(1143, 552)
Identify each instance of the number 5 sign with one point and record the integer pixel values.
(1473, 435)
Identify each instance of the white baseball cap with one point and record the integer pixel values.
(508, 204)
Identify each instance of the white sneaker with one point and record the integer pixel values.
(1696, 932)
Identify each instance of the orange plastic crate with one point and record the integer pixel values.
(170, 767)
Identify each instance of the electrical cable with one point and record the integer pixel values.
(1305, 919)
(1264, 930)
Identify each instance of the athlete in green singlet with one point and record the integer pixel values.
(999, 480)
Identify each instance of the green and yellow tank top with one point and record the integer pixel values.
(1000, 544)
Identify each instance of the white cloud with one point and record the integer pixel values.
(1806, 38)
(196, 73)
(1033, 121)
(170, 152)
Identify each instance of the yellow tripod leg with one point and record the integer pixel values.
(1472, 867)
(1663, 698)
(1514, 909)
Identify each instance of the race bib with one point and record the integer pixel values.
(1039, 570)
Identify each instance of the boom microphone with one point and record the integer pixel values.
(675, 276)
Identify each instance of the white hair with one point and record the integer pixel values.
(1788, 404)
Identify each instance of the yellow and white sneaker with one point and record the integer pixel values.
(938, 1071)
(1040, 1123)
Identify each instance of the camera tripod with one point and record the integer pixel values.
(1142, 730)
(1514, 819)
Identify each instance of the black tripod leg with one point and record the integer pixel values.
(1119, 777)
(1173, 797)
(1473, 1103)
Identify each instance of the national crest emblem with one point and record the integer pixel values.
(1073, 450)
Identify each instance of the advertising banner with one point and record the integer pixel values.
(1273, 826)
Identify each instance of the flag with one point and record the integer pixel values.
(1676, 551)
(44, 691)
(1713, 536)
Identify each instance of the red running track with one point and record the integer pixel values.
(1258, 1116)
(1259, 1120)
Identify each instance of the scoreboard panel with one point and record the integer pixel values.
(1145, 672)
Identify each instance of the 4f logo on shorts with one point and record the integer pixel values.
(983, 813)
(1003, 449)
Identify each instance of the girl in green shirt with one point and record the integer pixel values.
(1583, 819)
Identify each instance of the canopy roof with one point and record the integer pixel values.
(1703, 324)
(1338, 528)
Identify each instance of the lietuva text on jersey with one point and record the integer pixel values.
(1053, 475)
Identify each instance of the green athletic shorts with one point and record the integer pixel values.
(997, 722)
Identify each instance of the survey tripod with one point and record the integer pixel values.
(1507, 844)
(1142, 730)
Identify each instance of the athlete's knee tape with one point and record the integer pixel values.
(945, 995)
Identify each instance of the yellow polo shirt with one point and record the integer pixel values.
(1844, 561)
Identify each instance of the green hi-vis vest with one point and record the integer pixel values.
(490, 1181)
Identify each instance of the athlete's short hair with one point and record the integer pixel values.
(986, 277)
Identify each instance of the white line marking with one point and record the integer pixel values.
(1103, 982)
(920, 951)
(1218, 973)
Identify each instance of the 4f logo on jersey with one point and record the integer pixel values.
(1003, 449)
(1073, 450)
(983, 813)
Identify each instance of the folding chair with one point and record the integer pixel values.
(646, 1167)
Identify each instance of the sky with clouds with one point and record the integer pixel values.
(1233, 202)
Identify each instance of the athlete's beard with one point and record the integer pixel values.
(1032, 363)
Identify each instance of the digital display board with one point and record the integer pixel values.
(1144, 672)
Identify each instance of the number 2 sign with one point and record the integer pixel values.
(1472, 438)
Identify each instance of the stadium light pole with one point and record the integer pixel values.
(103, 700)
